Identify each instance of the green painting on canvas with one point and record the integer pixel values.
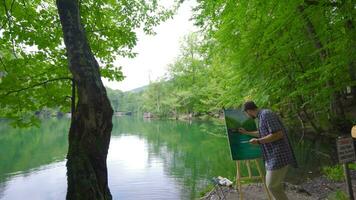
(240, 147)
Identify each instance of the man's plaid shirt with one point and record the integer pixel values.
(279, 153)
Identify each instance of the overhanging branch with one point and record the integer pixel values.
(36, 85)
(3, 64)
(329, 3)
(8, 14)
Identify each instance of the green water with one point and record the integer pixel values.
(157, 159)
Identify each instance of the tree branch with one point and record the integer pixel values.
(97, 30)
(36, 85)
(3, 64)
(3, 25)
(9, 19)
(317, 2)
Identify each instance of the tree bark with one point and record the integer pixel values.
(300, 102)
(350, 30)
(336, 105)
(72, 105)
(90, 130)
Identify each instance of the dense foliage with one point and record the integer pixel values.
(33, 64)
(297, 57)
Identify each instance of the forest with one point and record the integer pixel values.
(296, 57)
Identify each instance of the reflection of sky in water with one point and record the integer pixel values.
(133, 174)
(147, 160)
(47, 182)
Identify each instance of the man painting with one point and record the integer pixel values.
(276, 149)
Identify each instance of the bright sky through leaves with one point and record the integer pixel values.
(155, 52)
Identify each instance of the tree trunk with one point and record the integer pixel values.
(300, 102)
(90, 130)
(350, 30)
(336, 103)
(312, 33)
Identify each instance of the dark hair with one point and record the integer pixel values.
(249, 105)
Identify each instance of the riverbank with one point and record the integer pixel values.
(318, 188)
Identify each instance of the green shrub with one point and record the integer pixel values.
(336, 172)
(338, 195)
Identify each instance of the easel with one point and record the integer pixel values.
(239, 177)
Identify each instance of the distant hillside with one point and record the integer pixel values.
(139, 89)
(136, 90)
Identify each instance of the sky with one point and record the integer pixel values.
(156, 52)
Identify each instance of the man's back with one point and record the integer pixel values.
(279, 153)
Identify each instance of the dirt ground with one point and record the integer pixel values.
(317, 189)
(254, 192)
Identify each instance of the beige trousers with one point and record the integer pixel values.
(274, 181)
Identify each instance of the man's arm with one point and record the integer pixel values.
(274, 126)
(251, 133)
(268, 138)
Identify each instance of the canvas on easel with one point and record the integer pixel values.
(240, 147)
(241, 150)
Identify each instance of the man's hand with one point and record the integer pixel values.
(232, 130)
(254, 141)
(250, 133)
(243, 131)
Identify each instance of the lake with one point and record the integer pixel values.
(148, 159)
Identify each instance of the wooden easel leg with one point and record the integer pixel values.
(263, 179)
(238, 179)
(248, 168)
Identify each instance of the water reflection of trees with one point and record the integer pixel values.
(193, 157)
(25, 149)
(190, 156)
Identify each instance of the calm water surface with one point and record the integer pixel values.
(147, 159)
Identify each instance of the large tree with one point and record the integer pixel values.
(90, 130)
(34, 73)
